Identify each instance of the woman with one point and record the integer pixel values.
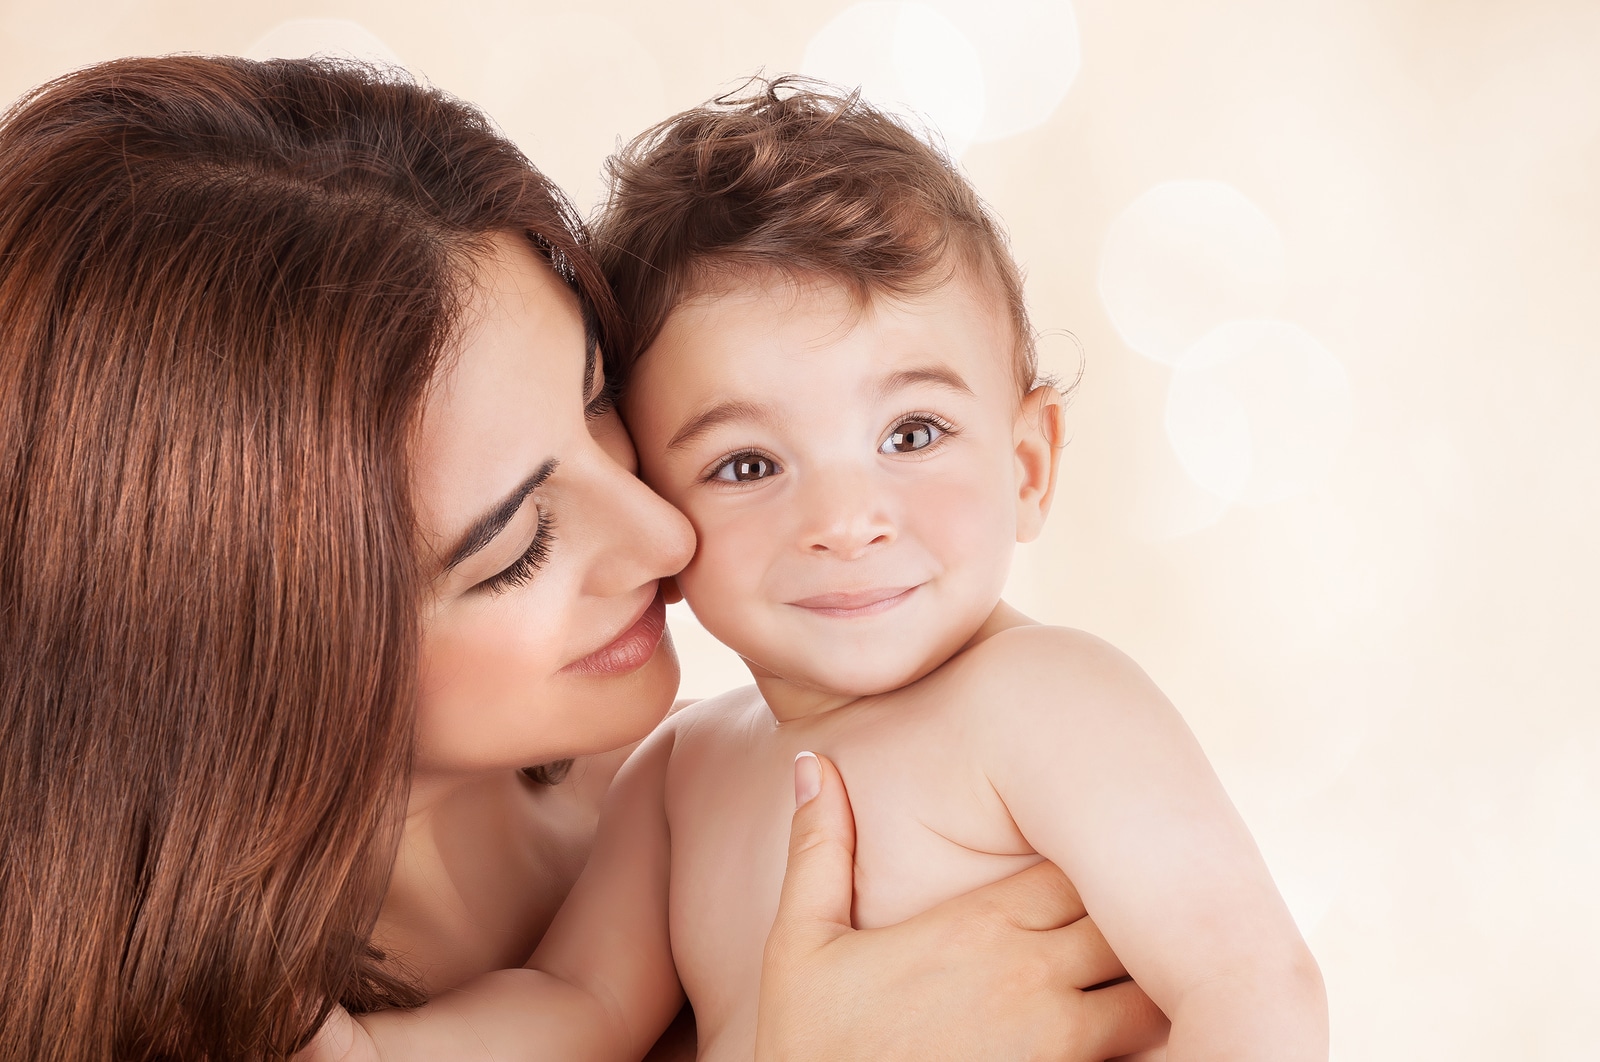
(316, 531)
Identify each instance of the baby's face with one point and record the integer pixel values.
(852, 475)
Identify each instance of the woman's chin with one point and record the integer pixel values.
(632, 706)
(579, 716)
(651, 700)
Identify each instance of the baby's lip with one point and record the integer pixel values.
(856, 602)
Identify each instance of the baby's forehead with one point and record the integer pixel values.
(844, 302)
(718, 278)
(772, 345)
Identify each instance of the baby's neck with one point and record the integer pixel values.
(790, 702)
(793, 703)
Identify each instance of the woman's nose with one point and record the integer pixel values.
(846, 515)
(664, 537)
(608, 430)
(643, 536)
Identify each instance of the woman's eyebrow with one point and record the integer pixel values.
(491, 523)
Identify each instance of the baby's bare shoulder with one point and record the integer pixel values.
(706, 719)
(708, 738)
(1020, 672)
(1034, 651)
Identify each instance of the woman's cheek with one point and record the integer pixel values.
(479, 674)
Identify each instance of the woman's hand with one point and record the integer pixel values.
(998, 973)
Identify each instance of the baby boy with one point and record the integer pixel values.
(833, 376)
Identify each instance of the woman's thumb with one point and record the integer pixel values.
(820, 882)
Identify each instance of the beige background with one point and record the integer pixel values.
(1355, 543)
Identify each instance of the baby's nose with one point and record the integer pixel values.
(846, 516)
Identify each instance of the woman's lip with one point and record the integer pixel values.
(630, 650)
(856, 602)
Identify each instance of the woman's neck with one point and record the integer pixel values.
(484, 862)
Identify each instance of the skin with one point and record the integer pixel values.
(486, 855)
(857, 477)
(508, 679)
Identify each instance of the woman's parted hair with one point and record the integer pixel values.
(801, 178)
(224, 286)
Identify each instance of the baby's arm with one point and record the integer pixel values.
(602, 984)
(1103, 778)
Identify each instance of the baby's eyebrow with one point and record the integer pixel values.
(721, 413)
(938, 375)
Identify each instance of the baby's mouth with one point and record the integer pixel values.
(848, 603)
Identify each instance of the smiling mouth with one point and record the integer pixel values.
(630, 650)
(856, 602)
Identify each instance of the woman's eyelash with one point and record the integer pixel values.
(602, 403)
(519, 571)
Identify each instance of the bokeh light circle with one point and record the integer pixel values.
(299, 38)
(1257, 411)
(1029, 52)
(908, 59)
(1183, 258)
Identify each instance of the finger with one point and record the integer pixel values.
(1039, 898)
(818, 886)
(1120, 1020)
(1084, 956)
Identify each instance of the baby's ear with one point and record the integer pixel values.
(1040, 435)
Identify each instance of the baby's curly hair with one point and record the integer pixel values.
(800, 177)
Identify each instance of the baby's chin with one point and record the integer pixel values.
(848, 659)
(866, 672)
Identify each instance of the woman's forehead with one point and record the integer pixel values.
(510, 396)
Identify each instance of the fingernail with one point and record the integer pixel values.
(807, 777)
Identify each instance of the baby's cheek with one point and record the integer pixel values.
(723, 574)
(969, 512)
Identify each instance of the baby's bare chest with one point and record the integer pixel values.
(928, 827)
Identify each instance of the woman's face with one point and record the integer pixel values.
(543, 630)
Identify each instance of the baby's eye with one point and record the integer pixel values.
(746, 468)
(911, 435)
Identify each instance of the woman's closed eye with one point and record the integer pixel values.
(519, 571)
(603, 401)
(915, 432)
(747, 466)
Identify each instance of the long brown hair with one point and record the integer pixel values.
(224, 286)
